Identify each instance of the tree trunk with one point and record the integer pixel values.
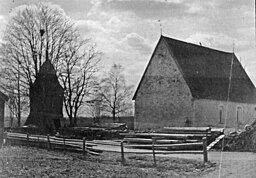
(75, 121)
(71, 121)
(18, 123)
(97, 120)
(11, 121)
(113, 116)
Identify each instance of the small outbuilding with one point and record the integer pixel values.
(3, 99)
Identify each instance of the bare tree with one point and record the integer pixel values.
(95, 105)
(13, 85)
(78, 78)
(16, 105)
(116, 94)
(35, 33)
(40, 32)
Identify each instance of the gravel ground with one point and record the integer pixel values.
(33, 162)
(233, 164)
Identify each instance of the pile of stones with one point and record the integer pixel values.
(244, 140)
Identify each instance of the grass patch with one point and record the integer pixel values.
(33, 162)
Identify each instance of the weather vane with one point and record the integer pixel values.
(160, 26)
(12, 5)
(233, 46)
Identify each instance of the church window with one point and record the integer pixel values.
(221, 114)
(239, 114)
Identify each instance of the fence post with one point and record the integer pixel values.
(27, 139)
(153, 149)
(122, 153)
(48, 141)
(38, 143)
(64, 144)
(84, 146)
(5, 137)
(205, 149)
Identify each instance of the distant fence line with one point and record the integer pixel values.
(81, 121)
(87, 121)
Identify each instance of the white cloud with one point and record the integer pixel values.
(88, 26)
(3, 23)
(2, 17)
(136, 42)
(126, 31)
(212, 40)
(222, 41)
(114, 24)
(141, 8)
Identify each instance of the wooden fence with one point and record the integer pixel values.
(187, 140)
(156, 143)
(51, 142)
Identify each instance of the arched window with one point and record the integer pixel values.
(239, 114)
(221, 114)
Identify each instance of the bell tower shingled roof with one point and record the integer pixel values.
(47, 68)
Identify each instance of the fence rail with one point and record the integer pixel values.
(51, 142)
(81, 145)
(186, 140)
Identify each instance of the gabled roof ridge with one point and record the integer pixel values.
(188, 43)
(207, 71)
(235, 58)
(136, 91)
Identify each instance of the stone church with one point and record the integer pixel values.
(46, 99)
(186, 84)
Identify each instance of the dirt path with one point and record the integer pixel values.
(234, 164)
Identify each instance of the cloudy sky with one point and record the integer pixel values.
(126, 31)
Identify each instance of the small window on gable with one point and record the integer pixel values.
(239, 114)
(221, 114)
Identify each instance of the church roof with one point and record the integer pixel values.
(207, 71)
